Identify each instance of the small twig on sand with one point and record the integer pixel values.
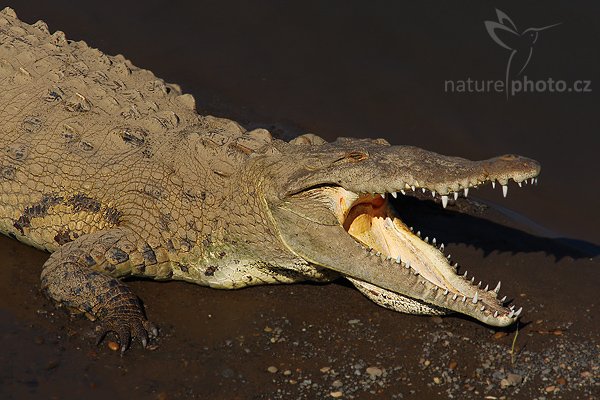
(512, 349)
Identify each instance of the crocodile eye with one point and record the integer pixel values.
(356, 156)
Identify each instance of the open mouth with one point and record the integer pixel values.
(370, 219)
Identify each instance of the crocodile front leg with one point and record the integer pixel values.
(82, 276)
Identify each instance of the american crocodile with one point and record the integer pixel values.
(112, 170)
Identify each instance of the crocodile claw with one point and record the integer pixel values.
(127, 327)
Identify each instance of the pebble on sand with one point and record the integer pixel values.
(272, 369)
(500, 335)
(114, 346)
(374, 372)
(585, 374)
(511, 380)
(514, 379)
(550, 388)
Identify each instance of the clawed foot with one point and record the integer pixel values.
(127, 326)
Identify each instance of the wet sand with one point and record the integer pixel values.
(348, 71)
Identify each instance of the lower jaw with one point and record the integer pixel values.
(375, 225)
(397, 302)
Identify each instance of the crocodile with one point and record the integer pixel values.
(113, 171)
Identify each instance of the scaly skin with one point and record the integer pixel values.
(112, 170)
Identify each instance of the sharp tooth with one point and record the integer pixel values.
(472, 280)
(493, 184)
(444, 201)
(525, 182)
(411, 229)
(446, 292)
(448, 256)
(407, 265)
(464, 299)
(419, 233)
(520, 184)
(504, 190)
(402, 191)
(535, 180)
(455, 196)
(479, 284)
(394, 195)
(503, 299)
(433, 193)
(442, 246)
(416, 272)
(495, 314)
(433, 241)
(475, 298)
(511, 313)
(497, 289)
(423, 190)
(413, 188)
(466, 191)
(426, 239)
(512, 307)
(378, 254)
(455, 296)
(532, 180)
(382, 195)
(518, 312)
(465, 274)
(398, 259)
(482, 309)
(486, 288)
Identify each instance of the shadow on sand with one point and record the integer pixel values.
(486, 227)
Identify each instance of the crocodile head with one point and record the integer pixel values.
(331, 205)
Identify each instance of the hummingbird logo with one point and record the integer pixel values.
(505, 33)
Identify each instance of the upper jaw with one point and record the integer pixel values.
(403, 168)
